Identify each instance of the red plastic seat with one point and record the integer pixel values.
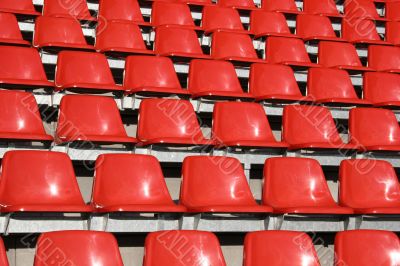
(312, 127)
(121, 37)
(123, 10)
(171, 13)
(315, 27)
(374, 190)
(136, 185)
(384, 58)
(340, 55)
(3, 254)
(392, 10)
(274, 83)
(84, 71)
(277, 248)
(364, 31)
(213, 78)
(239, 4)
(298, 185)
(45, 183)
(284, 6)
(241, 124)
(9, 32)
(77, 9)
(373, 83)
(287, 51)
(94, 248)
(225, 18)
(233, 46)
(265, 23)
(59, 33)
(177, 41)
(392, 33)
(151, 74)
(169, 121)
(332, 86)
(23, 7)
(22, 67)
(20, 118)
(374, 129)
(366, 9)
(367, 248)
(204, 249)
(86, 118)
(321, 7)
(224, 188)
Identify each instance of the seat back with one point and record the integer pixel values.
(332, 54)
(392, 10)
(360, 9)
(280, 50)
(265, 22)
(383, 58)
(279, 5)
(9, 29)
(392, 32)
(3, 254)
(237, 3)
(363, 30)
(170, 13)
(77, 9)
(217, 17)
(61, 247)
(320, 7)
(229, 44)
(373, 82)
(20, 7)
(314, 26)
(128, 10)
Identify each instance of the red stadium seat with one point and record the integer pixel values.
(121, 37)
(365, 9)
(374, 82)
(369, 187)
(277, 248)
(177, 41)
(374, 129)
(215, 79)
(3, 254)
(77, 9)
(136, 185)
(364, 31)
(10, 33)
(392, 10)
(169, 121)
(367, 248)
(46, 183)
(171, 13)
(23, 7)
(311, 127)
(151, 74)
(124, 10)
(59, 33)
(224, 186)
(20, 118)
(239, 4)
(384, 58)
(84, 71)
(94, 248)
(265, 23)
(274, 83)
(288, 51)
(221, 18)
(233, 46)
(298, 185)
(284, 6)
(243, 125)
(315, 27)
(321, 7)
(332, 86)
(86, 118)
(203, 249)
(22, 67)
(392, 32)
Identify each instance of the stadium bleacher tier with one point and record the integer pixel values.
(199, 132)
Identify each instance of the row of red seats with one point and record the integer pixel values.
(135, 183)
(84, 118)
(171, 248)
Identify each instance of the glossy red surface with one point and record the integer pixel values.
(59, 33)
(122, 10)
(89, 118)
(314, 27)
(354, 10)
(84, 70)
(364, 31)
(321, 7)
(242, 124)
(285, 6)
(214, 78)
(46, 183)
(392, 32)
(239, 4)
(298, 185)
(369, 186)
(374, 129)
(9, 31)
(274, 82)
(182, 247)
(373, 83)
(83, 248)
(77, 9)
(22, 66)
(136, 185)
(151, 74)
(3, 254)
(367, 248)
(224, 188)
(312, 127)
(20, 117)
(265, 23)
(24, 7)
(278, 248)
(217, 17)
(392, 10)
(169, 121)
(171, 13)
(384, 58)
